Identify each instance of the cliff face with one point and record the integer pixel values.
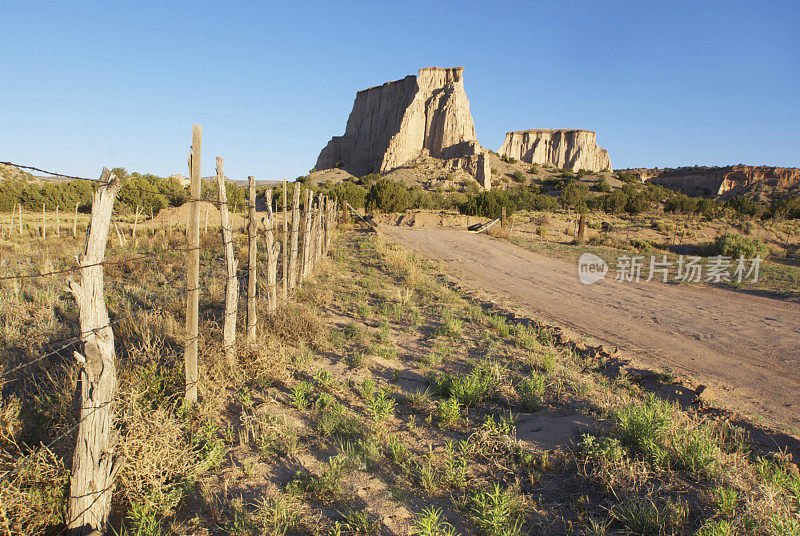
(566, 149)
(396, 122)
(763, 182)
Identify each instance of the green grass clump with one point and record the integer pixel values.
(606, 450)
(497, 512)
(449, 411)
(429, 522)
(531, 391)
(644, 427)
(468, 389)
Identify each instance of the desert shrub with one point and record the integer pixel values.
(615, 202)
(746, 206)
(627, 176)
(637, 203)
(541, 231)
(387, 195)
(518, 176)
(488, 204)
(736, 245)
(352, 192)
(574, 194)
(508, 159)
(602, 186)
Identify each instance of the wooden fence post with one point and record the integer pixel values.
(94, 463)
(193, 271)
(273, 247)
(306, 236)
(581, 228)
(503, 217)
(75, 221)
(20, 220)
(252, 267)
(231, 282)
(293, 275)
(58, 223)
(44, 222)
(285, 246)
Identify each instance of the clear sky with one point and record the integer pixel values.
(87, 84)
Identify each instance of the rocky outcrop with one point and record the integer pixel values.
(762, 182)
(566, 149)
(392, 124)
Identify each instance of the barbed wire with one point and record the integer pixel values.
(169, 195)
(105, 263)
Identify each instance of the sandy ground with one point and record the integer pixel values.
(746, 348)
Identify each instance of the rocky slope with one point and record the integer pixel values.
(761, 182)
(398, 121)
(566, 149)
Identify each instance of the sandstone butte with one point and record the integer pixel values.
(394, 123)
(763, 182)
(565, 149)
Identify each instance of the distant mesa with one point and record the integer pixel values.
(392, 124)
(761, 182)
(566, 149)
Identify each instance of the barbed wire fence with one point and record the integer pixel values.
(312, 229)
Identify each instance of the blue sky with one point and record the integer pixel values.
(87, 84)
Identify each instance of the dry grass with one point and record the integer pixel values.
(440, 419)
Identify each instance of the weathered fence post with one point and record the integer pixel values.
(231, 282)
(44, 222)
(193, 272)
(58, 223)
(94, 463)
(285, 246)
(295, 227)
(581, 228)
(75, 221)
(20, 219)
(345, 214)
(503, 217)
(252, 267)
(306, 236)
(273, 247)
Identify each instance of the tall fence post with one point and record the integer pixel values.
(193, 271)
(94, 463)
(285, 246)
(75, 221)
(306, 236)
(58, 223)
(231, 281)
(503, 216)
(44, 222)
(295, 227)
(273, 247)
(252, 267)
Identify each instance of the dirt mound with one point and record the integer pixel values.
(429, 219)
(209, 213)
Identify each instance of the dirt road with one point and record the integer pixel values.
(745, 347)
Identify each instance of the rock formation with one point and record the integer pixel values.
(392, 124)
(762, 182)
(566, 149)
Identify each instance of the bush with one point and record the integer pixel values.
(602, 186)
(387, 195)
(736, 245)
(518, 176)
(488, 204)
(574, 195)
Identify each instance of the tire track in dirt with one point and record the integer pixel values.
(745, 347)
